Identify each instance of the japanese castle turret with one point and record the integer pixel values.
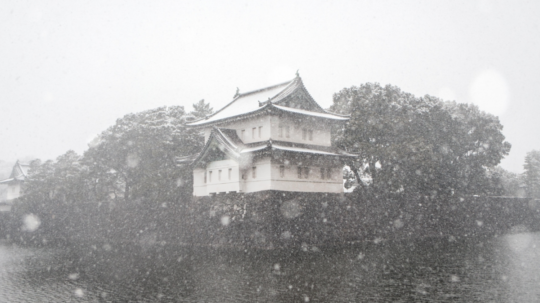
(275, 138)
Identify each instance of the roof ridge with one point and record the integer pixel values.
(238, 96)
(266, 88)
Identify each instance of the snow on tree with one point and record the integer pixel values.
(532, 174)
(201, 109)
(135, 158)
(418, 145)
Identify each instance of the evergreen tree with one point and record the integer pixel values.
(421, 145)
(201, 109)
(532, 174)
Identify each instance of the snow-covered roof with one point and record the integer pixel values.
(229, 142)
(310, 113)
(6, 181)
(244, 103)
(260, 100)
(18, 173)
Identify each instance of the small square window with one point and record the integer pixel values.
(282, 171)
(254, 172)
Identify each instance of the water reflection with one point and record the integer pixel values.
(504, 269)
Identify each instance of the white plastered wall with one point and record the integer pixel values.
(270, 130)
(214, 182)
(314, 182)
(13, 190)
(321, 133)
(263, 178)
(247, 125)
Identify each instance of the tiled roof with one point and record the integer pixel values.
(310, 113)
(230, 141)
(258, 101)
(18, 173)
(6, 181)
(244, 103)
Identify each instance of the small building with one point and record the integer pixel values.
(13, 183)
(274, 138)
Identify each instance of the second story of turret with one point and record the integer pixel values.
(283, 112)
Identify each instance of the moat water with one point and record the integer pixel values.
(500, 269)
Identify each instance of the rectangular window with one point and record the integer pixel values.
(244, 176)
(280, 132)
(230, 173)
(287, 131)
(322, 173)
(304, 131)
(310, 135)
(328, 173)
(260, 131)
(243, 134)
(254, 172)
(219, 175)
(306, 172)
(282, 171)
(253, 131)
(299, 171)
(204, 176)
(210, 176)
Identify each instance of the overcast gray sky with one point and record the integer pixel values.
(69, 69)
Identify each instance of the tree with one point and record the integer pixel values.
(532, 174)
(201, 109)
(52, 192)
(410, 145)
(510, 182)
(135, 160)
